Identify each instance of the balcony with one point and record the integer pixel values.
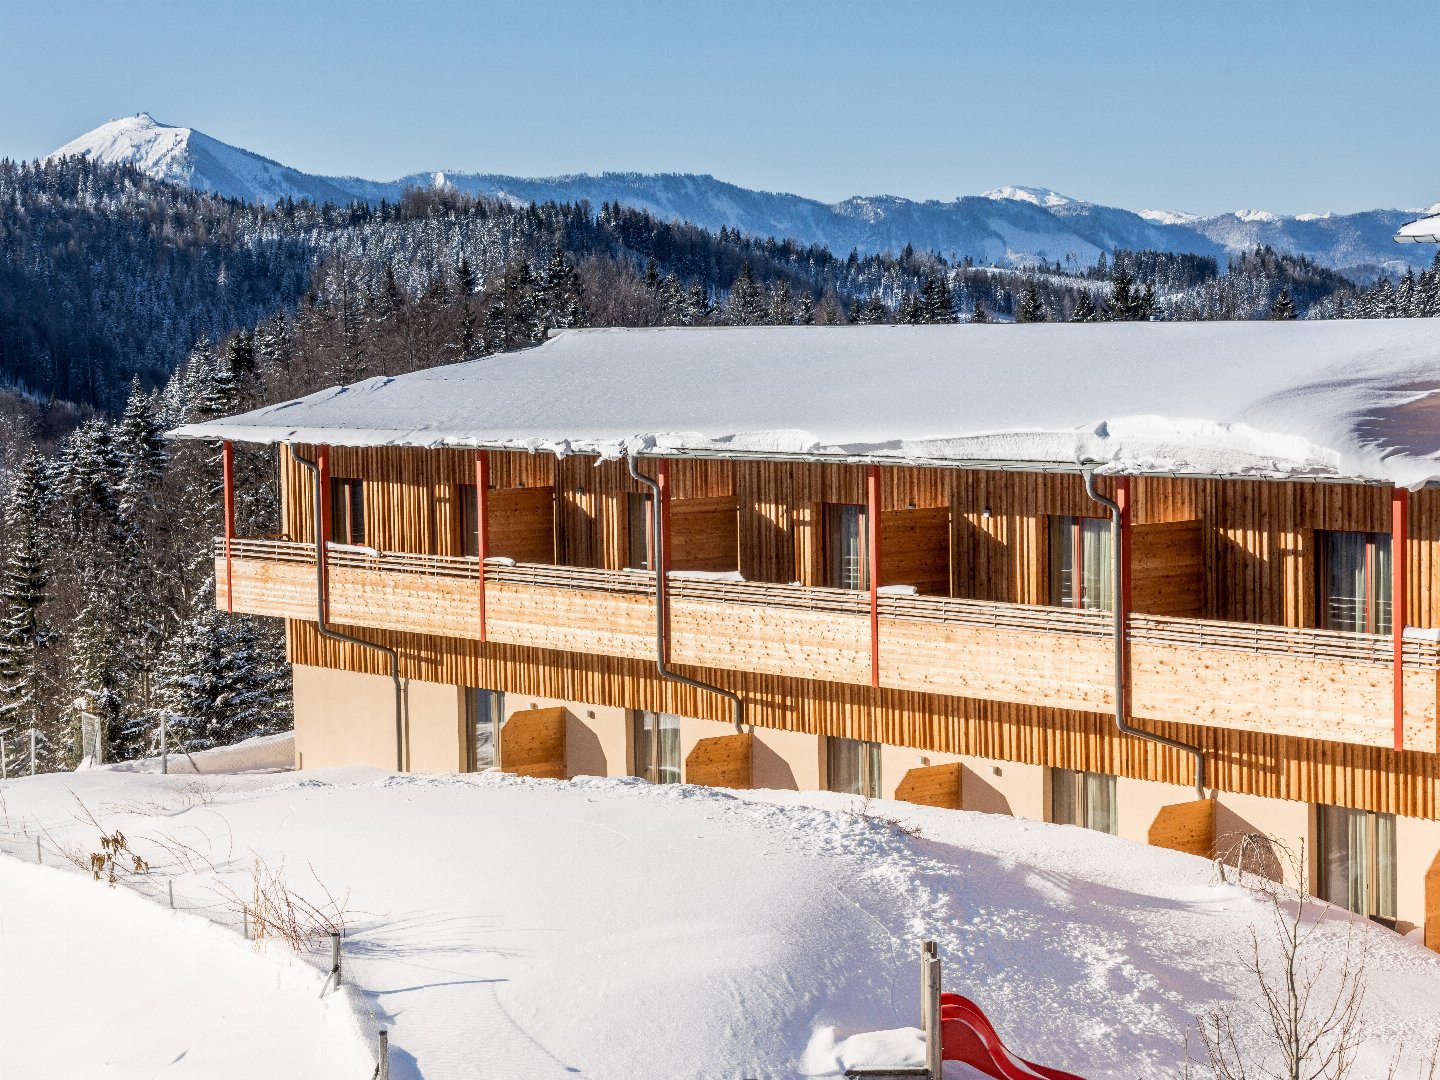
(1308, 683)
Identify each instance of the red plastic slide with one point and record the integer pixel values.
(967, 1036)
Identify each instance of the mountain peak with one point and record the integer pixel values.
(1037, 196)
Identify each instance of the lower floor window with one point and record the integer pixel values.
(484, 716)
(853, 767)
(1083, 798)
(657, 747)
(1356, 861)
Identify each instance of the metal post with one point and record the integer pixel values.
(245, 914)
(382, 1066)
(930, 1009)
(32, 751)
(164, 744)
(39, 858)
(335, 955)
(170, 889)
(4, 763)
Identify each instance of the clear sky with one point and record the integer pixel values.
(1201, 105)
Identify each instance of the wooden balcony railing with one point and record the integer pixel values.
(1311, 683)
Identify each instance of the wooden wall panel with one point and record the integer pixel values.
(1252, 762)
(532, 743)
(522, 524)
(915, 549)
(1187, 827)
(932, 785)
(704, 533)
(1167, 568)
(721, 761)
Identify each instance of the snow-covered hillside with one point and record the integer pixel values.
(501, 927)
(1009, 225)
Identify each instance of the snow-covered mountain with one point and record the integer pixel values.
(1009, 225)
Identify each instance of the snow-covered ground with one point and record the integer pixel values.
(502, 927)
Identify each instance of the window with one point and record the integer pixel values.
(1083, 798)
(1354, 581)
(846, 547)
(657, 747)
(1357, 861)
(469, 521)
(484, 717)
(347, 511)
(641, 520)
(853, 767)
(1082, 573)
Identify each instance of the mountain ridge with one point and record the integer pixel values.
(1012, 225)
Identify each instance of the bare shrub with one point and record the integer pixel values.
(115, 855)
(275, 910)
(1307, 1031)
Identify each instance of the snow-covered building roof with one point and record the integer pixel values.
(1424, 231)
(1350, 399)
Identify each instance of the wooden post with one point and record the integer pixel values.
(1399, 601)
(227, 461)
(661, 544)
(322, 470)
(872, 543)
(382, 1066)
(482, 525)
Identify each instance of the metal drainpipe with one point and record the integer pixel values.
(336, 635)
(662, 607)
(1118, 608)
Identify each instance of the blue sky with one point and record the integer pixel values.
(1201, 106)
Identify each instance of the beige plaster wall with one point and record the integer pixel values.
(347, 718)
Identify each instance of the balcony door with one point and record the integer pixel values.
(1083, 798)
(347, 511)
(846, 546)
(484, 718)
(640, 538)
(1081, 563)
(1354, 581)
(657, 746)
(1356, 863)
(852, 767)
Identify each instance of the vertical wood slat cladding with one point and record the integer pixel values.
(915, 549)
(1258, 763)
(704, 533)
(1167, 568)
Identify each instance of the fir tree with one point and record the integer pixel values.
(745, 306)
(1283, 307)
(979, 314)
(1085, 311)
(936, 304)
(1030, 309)
(22, 593)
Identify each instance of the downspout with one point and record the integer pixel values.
(336, 635)
(659, 530)
(1117, 605)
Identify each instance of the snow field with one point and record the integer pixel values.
(502, 927)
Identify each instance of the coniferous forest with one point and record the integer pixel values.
(129, 306)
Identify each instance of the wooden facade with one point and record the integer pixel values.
(1224, 647)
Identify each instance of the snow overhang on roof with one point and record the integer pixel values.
(1424, 231)
(1346, 400)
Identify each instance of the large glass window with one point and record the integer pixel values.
(347, 511)
(657, 747)
(1083, 798)
(1082, 573)
(1357, 861)
(484, 717)
(847, 557)
(853, 767)
(1354, 581)
(641, 521)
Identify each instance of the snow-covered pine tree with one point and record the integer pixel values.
(1031, 308)
(23, 635)
(745, 306)
(698, 309)
(223, 678)
(513, 319)
(1283, 307)
(936, 303)
(979, 314)
(1085, 311)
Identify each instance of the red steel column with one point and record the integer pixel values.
(1122, 499)
(1399, 600)
(322, 467)
(662, 544)
(872, 543)
(227, 462)
(482, 526)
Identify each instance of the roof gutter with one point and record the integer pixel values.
(1118, 606)
(658, 526)
(336, 635)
